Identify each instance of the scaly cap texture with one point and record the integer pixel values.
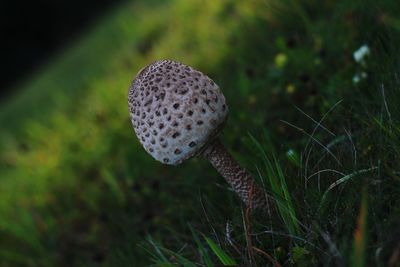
(175, 110)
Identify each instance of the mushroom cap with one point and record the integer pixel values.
(175, 110)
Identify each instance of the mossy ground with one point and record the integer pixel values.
(78, 190)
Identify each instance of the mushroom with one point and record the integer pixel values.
(177, 113)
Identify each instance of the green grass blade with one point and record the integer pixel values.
(25, 231)
(225, 259)
(161, 259)
(158, 251)
(180, 259)
(204, 254)
(280, 189)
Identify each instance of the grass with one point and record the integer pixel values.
(78, 190)
(278, 185)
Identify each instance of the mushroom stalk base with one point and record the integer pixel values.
(239, 178)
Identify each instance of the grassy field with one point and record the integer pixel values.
(314, 96)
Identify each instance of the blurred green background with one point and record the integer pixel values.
(77, 189)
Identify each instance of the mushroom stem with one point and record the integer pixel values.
(238, 177)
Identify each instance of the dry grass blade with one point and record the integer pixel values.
(269, 257)
(360, 235)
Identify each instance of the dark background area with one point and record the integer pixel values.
(32, 31)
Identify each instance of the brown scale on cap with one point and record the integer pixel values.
(177, 112)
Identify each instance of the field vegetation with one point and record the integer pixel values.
(314, 94)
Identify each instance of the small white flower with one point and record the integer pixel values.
(360, 54)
